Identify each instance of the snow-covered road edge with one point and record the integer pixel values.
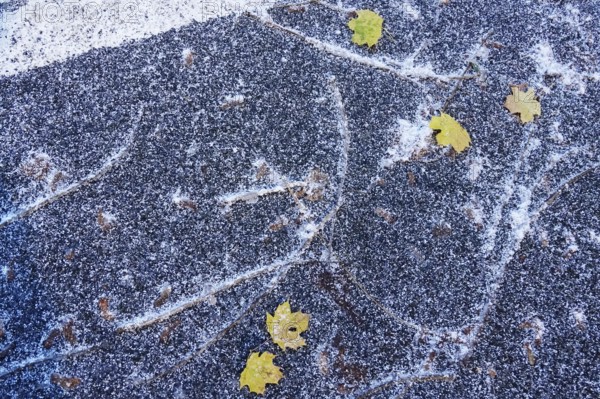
(45, 31)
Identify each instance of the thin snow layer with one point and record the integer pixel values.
(478, 52)
(411, 138)
(476, 167)
(411, 11)
(579, 316)
(45, 31)
(547, 65)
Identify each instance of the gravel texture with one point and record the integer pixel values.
(157, 199)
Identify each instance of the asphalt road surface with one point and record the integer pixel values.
(167, 181)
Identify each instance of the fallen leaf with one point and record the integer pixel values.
(451, 132)
(523, 103)
(530, 355)
(315, 185)
(105, 221)
(57, 177)
(105, 310)
(285, 327)
(69, 333)
(165, 335)
(262, 171)
(367, 28)
(49, 341)
(386, 215)
(37, 166)
(259, 372)
(65, 382)
(163, 297)
(186, 203)
(70, 254)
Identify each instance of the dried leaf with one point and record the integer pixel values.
(523, 103)
(279, 224)
(386, 215)
(259, 372)
(37, 166)
(367, 28)
(105, 309)
(315, 185)
(186, 203)
(165, 335)
(233, 101)
(165, 293)
(451, 132)
(69, 333)
(530, 355)
(262, 171)
(188, 57)
(52, 336)
(57, 177)
(65, 382)
(285, 327)
(69, 254)
(105, 221)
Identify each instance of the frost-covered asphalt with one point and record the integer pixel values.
(159, 196)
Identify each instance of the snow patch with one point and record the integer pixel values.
(410, 139)
(555, 134)
(411, 11)
(109, 218)
(405, 68)
(192, 149)
(547, 65)
(307, 231)
(474, 212)
(45, 31)
(571, 242)
(183, 200)
(478, 52)
(235, 98)
(476, 167)
(579, 316)
(571, 16)
(187, 57)
(540, 329)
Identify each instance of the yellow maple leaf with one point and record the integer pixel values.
(286, 326)
(367, 27)
(259, 372)
(451, 132)
(523, 103)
